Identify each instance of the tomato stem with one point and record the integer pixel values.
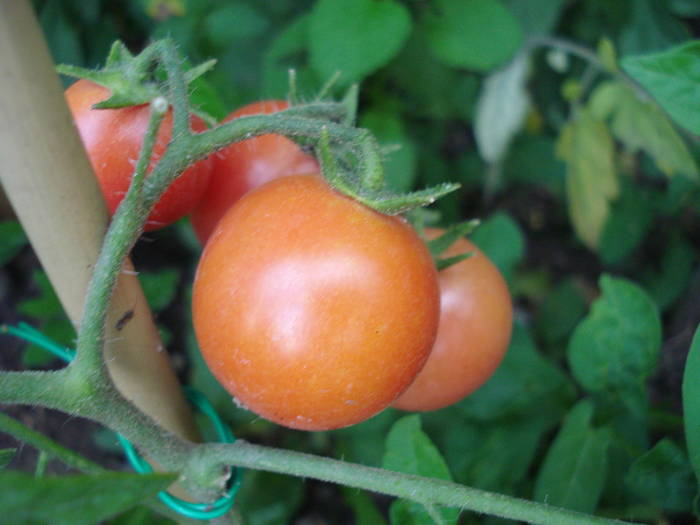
(371, 163)
(423, 490)
(122, 234)
(177, 88)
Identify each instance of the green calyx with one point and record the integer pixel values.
(363, 179)
(132, 79)
(440, 244)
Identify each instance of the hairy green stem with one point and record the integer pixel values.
(189, 149)
(51, 389)
(177, 87)
(39, 441)
(114, 411)
(69, 391)
(415, 488)
(373, 170)
(333, 111)
(122, 234)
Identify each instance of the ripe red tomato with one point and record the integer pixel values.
(310, 308)
(246, 165)
(475, 324)
(113, 139)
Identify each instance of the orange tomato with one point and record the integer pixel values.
(311, 309)
(475, 326)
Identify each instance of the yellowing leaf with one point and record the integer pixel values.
(640, 125)
(591, 182)
(607, 54)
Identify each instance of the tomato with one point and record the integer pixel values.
(475, 325)
(311, 309)
(113, 139)
(246, 165)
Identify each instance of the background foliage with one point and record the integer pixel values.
(572, 127)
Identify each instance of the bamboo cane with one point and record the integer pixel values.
(50, 184)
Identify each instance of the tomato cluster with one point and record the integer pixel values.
(311, 309)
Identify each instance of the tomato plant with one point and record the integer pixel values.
(113, 138)
(310, 308)
(476, 317)
(248, 164)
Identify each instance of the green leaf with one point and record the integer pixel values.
(591, 183)
(616, 347)
(574, 469)
(673, 78)
(409, 450)
(74, 499)
(159, 287)
(532, 160)
(640, 125)
(663, 477)
(629, 221)
(53, 323)
(685, 8)
(667, 285)
(141, 516)
(288, 51)
(501, 239)
(502, 108)
(61, 33)
(366, 512)
(364, 442)
(506, 450)
(400, 161)
(12, 240)
(356, 37)
(536, 17)
(651, 28)
(455, 31)
(560, 311)
(205, 98)
(429, 88)
(6, 455)
(233, 22)
(268, 499)
(523, 380)
(691, 403)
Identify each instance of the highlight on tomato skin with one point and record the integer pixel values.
(112, 139)
(247, 164)
(311, 309)
(475, 327)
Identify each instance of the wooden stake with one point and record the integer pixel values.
(53, 191)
